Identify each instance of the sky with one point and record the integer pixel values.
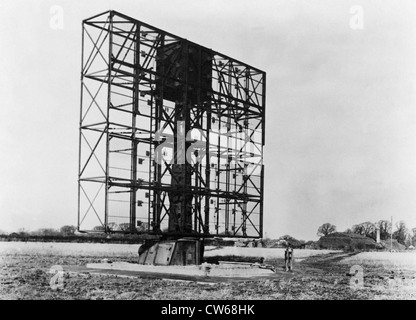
(340, 116)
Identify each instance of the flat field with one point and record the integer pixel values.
(318, 274)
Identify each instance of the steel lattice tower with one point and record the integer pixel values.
(171, 134)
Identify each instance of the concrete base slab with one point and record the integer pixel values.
(222, 270)
(220, 274)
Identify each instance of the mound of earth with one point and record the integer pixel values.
(347, 241)
(394, 244)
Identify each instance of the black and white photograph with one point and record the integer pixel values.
(219, 152)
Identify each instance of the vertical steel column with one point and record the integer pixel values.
(207, 169)
(80, 128)
(107, 128)
(245, 174)
(227, 165)
(263, 143)
(198, 164)
(187, 197)
(235, 170)
(158, 167)
(218, 174)
(135, 110)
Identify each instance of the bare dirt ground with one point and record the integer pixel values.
(25, 274)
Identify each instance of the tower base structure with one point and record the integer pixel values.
(182, 252)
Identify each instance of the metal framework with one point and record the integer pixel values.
(150, 99)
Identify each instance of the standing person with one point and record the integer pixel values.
(289, 258)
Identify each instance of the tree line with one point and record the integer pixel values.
(369, 229)
(69, 230)
(64, 231)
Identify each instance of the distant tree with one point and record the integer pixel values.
(22, 232)
(414, 236)
(401, 232)
(38, 232)
(291, 241)
(385, 229)
(365, 229)
(348, 231)
(408, 240)
(124, 227)
(68, 230)
(112, 226)
(46, 232)
(142, 226)
(99, 228)
(326, 229)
